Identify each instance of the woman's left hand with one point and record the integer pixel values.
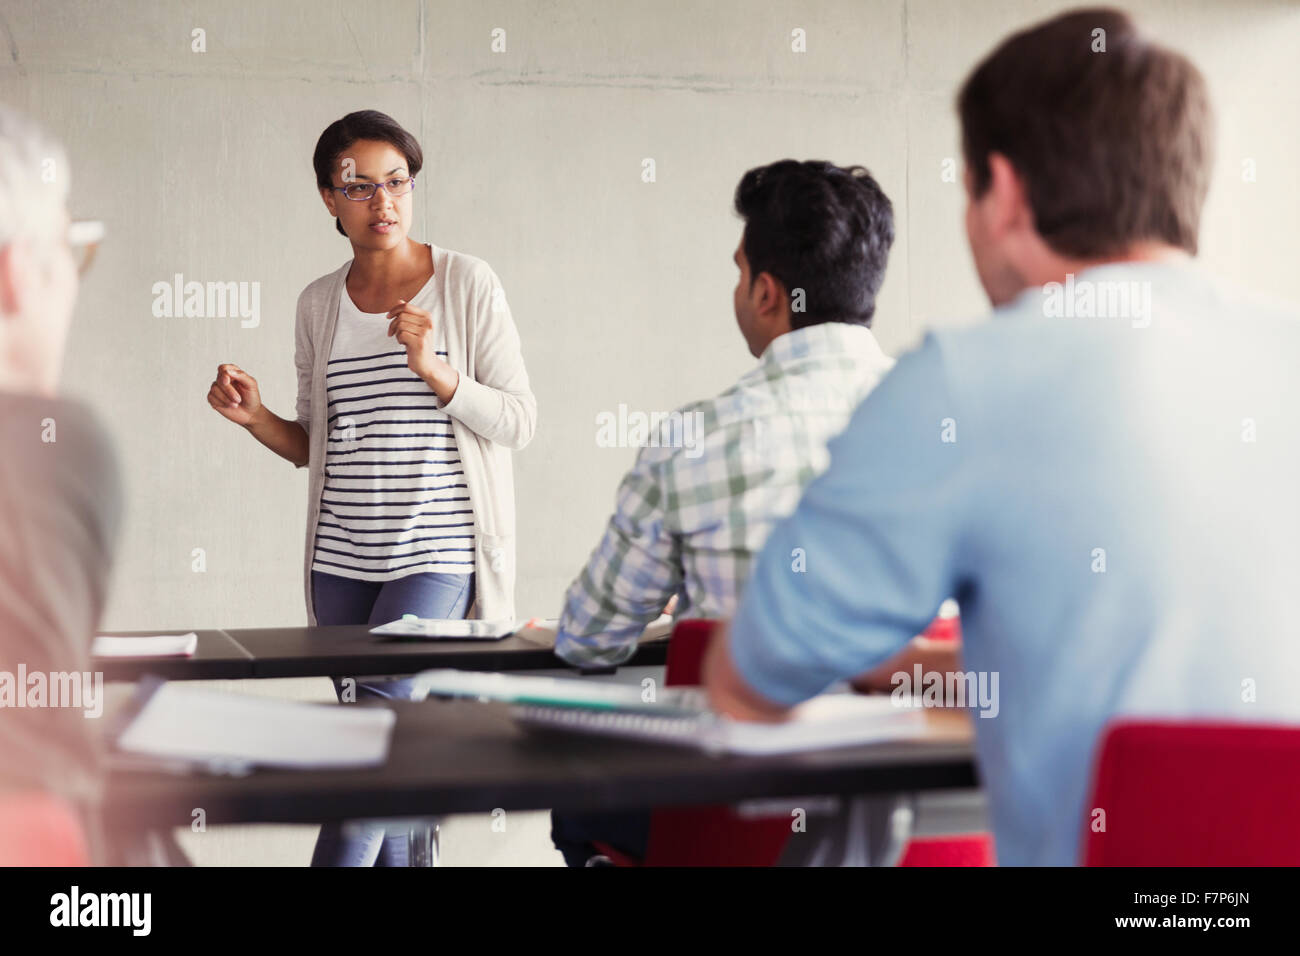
(414, 329)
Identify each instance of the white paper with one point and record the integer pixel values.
(157, 645)
(203, 725)
(449, 628)
(826, 721)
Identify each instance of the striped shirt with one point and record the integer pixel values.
(694, 511)
(395, 500)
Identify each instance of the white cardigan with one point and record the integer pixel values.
(492, 413)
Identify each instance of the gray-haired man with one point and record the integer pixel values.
(60, 496)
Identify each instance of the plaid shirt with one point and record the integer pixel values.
(695, 509)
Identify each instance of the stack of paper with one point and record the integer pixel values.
(208, 726)
(830, 720)
(455, 629)
(157, 645)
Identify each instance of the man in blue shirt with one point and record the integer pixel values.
(1105, 475)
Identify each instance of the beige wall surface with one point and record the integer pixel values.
(200, 164)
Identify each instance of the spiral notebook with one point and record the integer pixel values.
(832, 720)
(678, 716)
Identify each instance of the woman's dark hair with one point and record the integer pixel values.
(820, 228)
(363, 124)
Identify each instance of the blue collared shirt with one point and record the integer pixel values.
(1107, 478)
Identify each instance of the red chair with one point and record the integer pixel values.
(703, 836)
(718, 836)
(40, 829)
(975, 849)
(1195, 794)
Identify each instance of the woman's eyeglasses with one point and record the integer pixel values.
(84, 237)
(360, 192)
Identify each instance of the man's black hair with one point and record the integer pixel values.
(821, 229)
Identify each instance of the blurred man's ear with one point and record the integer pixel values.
(1008, 203)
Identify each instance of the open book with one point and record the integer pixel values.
(680, 716)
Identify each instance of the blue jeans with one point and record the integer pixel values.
(340, 600)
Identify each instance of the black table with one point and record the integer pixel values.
(219, 657)
(346, 651)
(464, 757)
(353, 651)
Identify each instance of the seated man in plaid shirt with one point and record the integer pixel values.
(689, 521)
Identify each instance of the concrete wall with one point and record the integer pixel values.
(200, 164)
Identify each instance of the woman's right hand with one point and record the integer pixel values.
(234, 394)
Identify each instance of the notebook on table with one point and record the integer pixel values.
(209, 729)
(680, 715)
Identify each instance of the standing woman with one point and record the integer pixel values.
(412, 393)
